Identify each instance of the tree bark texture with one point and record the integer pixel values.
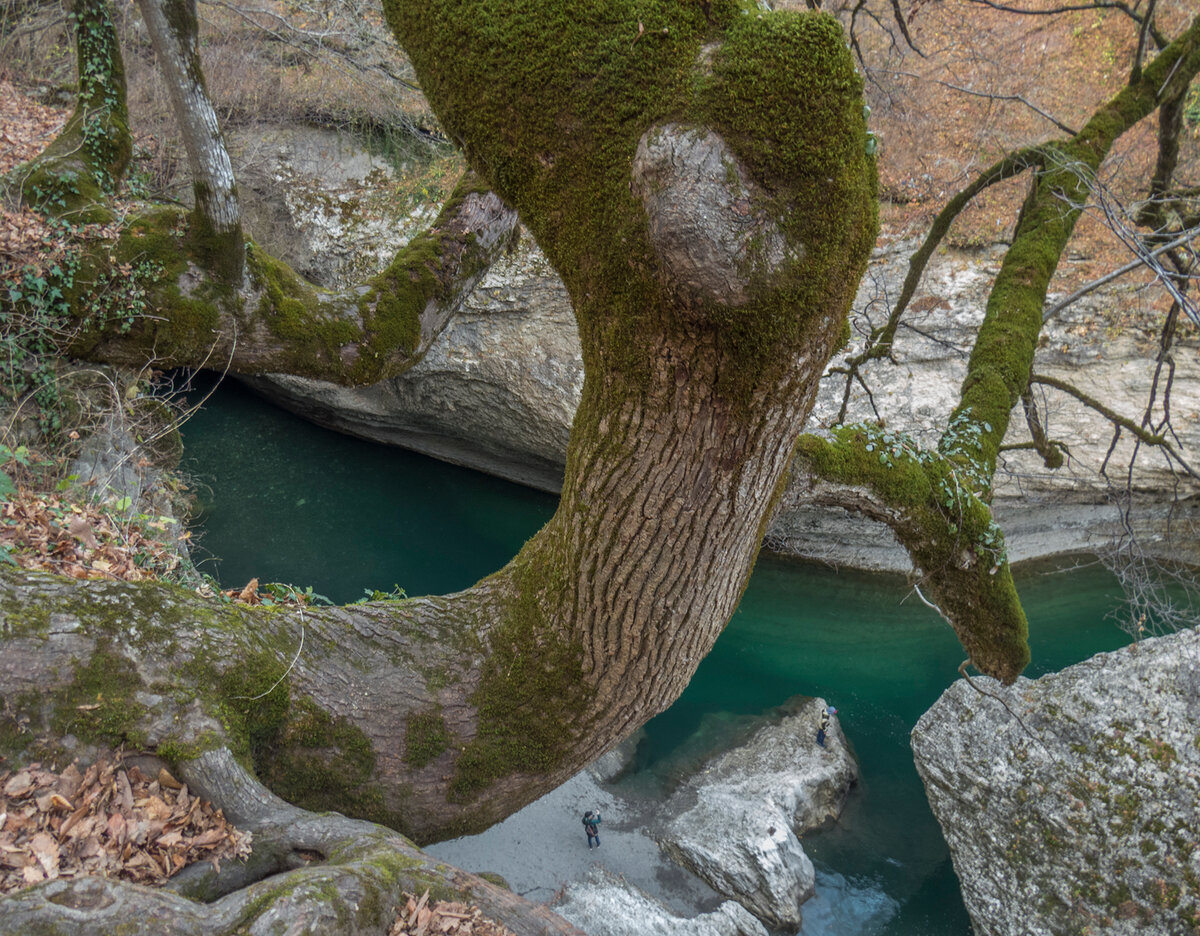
(308, 873)
(442, 715)
(174, 33)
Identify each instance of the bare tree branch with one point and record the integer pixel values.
(899, 17)
(1159, 38)
(1135, 71)
(1139, 432)
(879, 343)
(1129, 267)
(991, 95)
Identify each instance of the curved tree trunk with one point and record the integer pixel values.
(711, 253)
(711, 250)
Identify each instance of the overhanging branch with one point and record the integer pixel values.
(1139, 432)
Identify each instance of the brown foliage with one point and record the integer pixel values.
(420, 918)
(109, 821)
(83, 540)
(26, 128)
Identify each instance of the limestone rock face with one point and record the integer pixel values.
(607, 905)
(498, 391)
(736, 822)
(1071, 803)
(322, 202)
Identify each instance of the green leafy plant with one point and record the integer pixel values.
(38, 320)
(1191, 108)
(964, 480)
(372, 594)
(281, 593)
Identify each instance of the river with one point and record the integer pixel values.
(285, 501)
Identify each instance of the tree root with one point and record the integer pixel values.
(309, 873)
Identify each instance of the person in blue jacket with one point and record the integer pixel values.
(824, 724)
(591, 825)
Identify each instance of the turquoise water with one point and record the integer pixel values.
(286, 501)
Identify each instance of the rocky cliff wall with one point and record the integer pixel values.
(498, 391)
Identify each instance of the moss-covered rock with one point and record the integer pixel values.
(1069, 801)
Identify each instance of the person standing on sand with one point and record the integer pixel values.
(591, 825)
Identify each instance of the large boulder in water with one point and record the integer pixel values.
(1071, 803)
(736, 822)
(607, 905)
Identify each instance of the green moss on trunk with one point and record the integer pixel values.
(100, 705)
(87, 160)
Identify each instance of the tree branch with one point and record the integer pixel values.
(936, 503)
(881, 340)
(993, 96)
(934, 509)
(1125, 8)
(1002, 359)
(1140, 432)
(1119, 272)
(276, 323)
(363, 875)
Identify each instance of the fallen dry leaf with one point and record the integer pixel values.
(116, 827)
(416, 918)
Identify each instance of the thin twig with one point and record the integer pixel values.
(1119, 272)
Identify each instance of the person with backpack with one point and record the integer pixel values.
(824, 724)
(591, 825)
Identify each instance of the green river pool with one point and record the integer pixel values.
(285, 501)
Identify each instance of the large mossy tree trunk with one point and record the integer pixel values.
(700, 177)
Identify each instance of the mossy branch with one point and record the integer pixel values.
(937, 503)
(274, 321)
(1139, 432)
(1002, 359)
(933, 507)
(880, 343)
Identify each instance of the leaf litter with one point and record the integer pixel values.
(83, 540)
(418, 917)
(108, 820)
